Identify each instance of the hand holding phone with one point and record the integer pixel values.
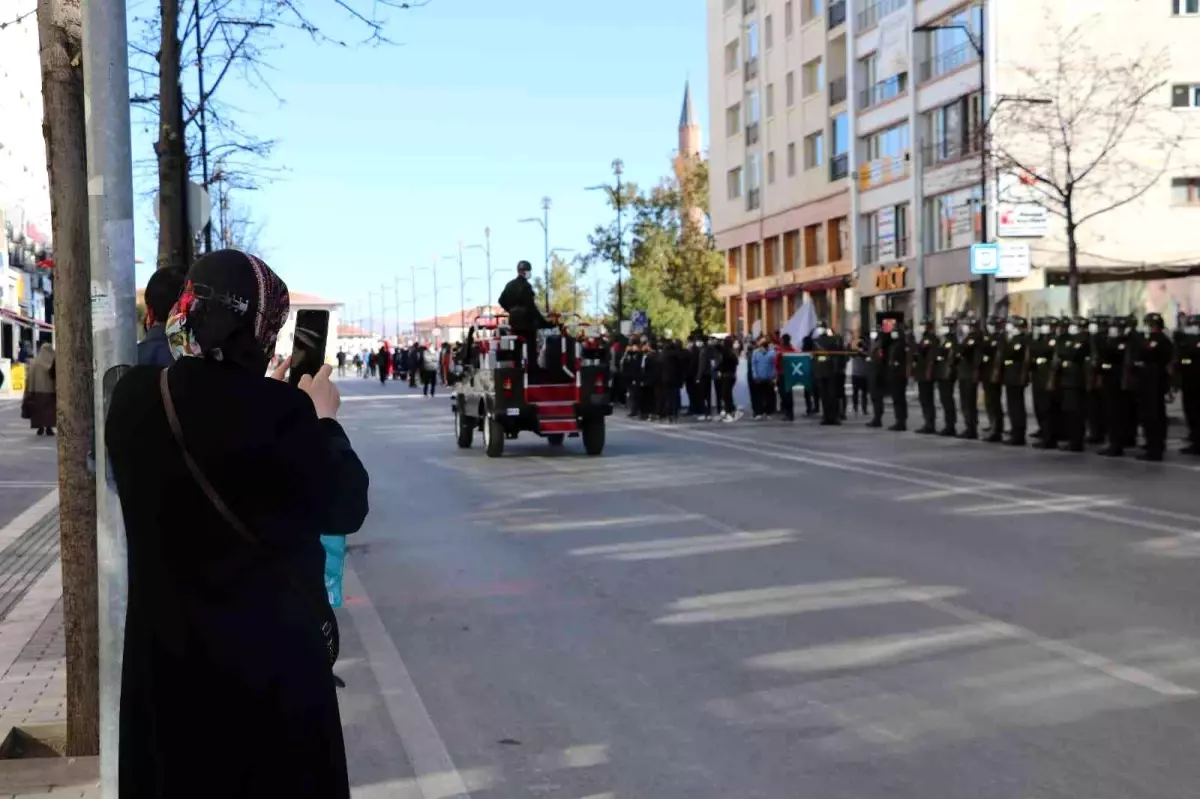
(308, 344)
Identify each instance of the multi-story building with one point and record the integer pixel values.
(926, 80)
(779, 157)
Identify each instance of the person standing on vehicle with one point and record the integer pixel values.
(520, 302)
(945, 373)
(925, 364)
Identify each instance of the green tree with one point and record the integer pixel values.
(567, 294)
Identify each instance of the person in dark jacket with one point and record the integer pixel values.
(674, 369)
(727, 369)
(39, 404)
(224, 637)
(812, 399)
(162, 291)
(520, 302)
(384, 359)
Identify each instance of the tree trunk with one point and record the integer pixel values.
(1072, 264)
(60, 24)
(174, 238)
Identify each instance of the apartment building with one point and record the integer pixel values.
(779, 158)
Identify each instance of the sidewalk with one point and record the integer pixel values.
(33, 671)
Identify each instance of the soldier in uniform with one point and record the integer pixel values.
(1097, 420)
(970, 352)
(1150, 356)
(1071, 354)
(899, 370)
(829, 373)
(1042, 354)
(1130, 387)
(924, 365)
(945, 373)
(1015, 355)
(1187, 377)
(877, 361)
(1110, 363)
(990, 376)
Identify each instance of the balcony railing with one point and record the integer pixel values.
(839, 166)
(837, 90)
(883, 91)
(947, 61)
(893, 250)
(837, 13)
(869, 17)
(752, 134)
(753, 199)
(883, 170)
(948, 151)
(751, 69)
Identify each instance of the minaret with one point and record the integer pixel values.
(689, 148)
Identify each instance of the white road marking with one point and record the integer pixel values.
(436, 774)
(589, 524)
(667, 548)
(804, 600)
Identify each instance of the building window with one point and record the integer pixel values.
(882, 91)
(1185, 7)
(733, 119)
(811, 10)
(891, 141)
(771, 167)
(953, 219)
(791, 159)
(770, 100)
(814, 245)
(753, 182)
(733, 180)
(812, 77)
(732, 58)
(789, 21)
(839, 239)
(955, 129)
(751, 41)
(769, 32)
(789, 88)
(814, 150)
(752, 107)
(952, 44)
(839, 132)
(1185, 191)
(1185, 95)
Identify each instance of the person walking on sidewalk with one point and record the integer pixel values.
(227, 481)
(39, 404)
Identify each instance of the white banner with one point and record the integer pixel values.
(894, 34)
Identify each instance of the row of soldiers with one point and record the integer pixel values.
(1094, 380)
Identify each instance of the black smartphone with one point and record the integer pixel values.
(308, 344)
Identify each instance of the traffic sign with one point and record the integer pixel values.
(985, 259)
(640, 321)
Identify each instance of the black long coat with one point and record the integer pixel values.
(226, 686)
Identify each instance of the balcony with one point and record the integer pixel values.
(837, 90)
(839, 166)
(751, 69)
(837, 13)
(890, 250)
(947, 151)
(883, 91)
(869, 17)
(752, 134)
(947, 61)
(753, 199)
(883, 170)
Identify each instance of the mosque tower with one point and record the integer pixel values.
(689, 146)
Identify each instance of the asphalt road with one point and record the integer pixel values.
(28, 464)
(754, 610)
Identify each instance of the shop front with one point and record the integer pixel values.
(950, 288)
(885, 288)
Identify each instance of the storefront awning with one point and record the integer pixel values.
(827, 284)
(754, 296)
(24, 320)
(772, 294)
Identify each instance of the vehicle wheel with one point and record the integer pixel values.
(556, 439)
(464, 430)
(493, 438)
(593, 436)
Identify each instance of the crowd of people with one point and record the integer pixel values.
(1094, 380)
(416, 362)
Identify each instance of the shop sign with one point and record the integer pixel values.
(1021, 213)
(886, 221)
(891, 278)
(1015, 262)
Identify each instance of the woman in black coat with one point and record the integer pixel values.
(227, 687)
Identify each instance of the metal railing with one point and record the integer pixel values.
(883, 91)
(837, 90)
(751, 69)
(869, 17)
(947, 61)
(947, 151)
(874, 253)
(839, 166)
(753, 199)
(837, 13)
(752, 134)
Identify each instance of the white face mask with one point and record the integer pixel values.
(944, 330)
(1093, 328)
(1073, 330)
(1114, 331)
(1192, 330)
(991, 328)
(1010, 329)
(1044, 330)
(874, 335)
(895, 334)
(820, 331)
(964, 329)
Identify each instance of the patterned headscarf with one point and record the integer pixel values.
(231, 309)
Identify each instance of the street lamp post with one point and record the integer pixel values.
(462, 286)
(487, 251)
(545, 223)
(618, 167)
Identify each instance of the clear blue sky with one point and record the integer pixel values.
(395, 153)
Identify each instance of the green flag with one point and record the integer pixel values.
(797, 370)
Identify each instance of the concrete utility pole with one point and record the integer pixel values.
(487, 251)
(114, 319)
(544, 221)
(383, 311)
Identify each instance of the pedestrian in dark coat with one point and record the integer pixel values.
(223, 640)
(39, 405)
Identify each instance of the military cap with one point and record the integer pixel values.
(1019, 321)
(1101, 319)
(1194, 319)
(1154, 319)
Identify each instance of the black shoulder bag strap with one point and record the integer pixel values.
(322, 616)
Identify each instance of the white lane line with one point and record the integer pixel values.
(892, 472)
(436, 774)
(27, 518)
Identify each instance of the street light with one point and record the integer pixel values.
(618, 167)
(487, 250)
(545, 223)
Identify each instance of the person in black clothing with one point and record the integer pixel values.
(674, 366)
(945, 372)
(1015, 367)
(227, 612)
(631, 373)
(1097, 419)
(877, 360)
(812, 399)
(828, 373)
(727, 369)
(990, 377)
(1151, 356)
(899, 370)
(1111, 363)
(520, 302)
(652, 391)
(1045, 407)
(1187, 377)
(924, 366)
(1071, 354)
(709, 354)
(970, 354)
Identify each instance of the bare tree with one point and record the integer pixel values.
(60, 31)
(1106, 137)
